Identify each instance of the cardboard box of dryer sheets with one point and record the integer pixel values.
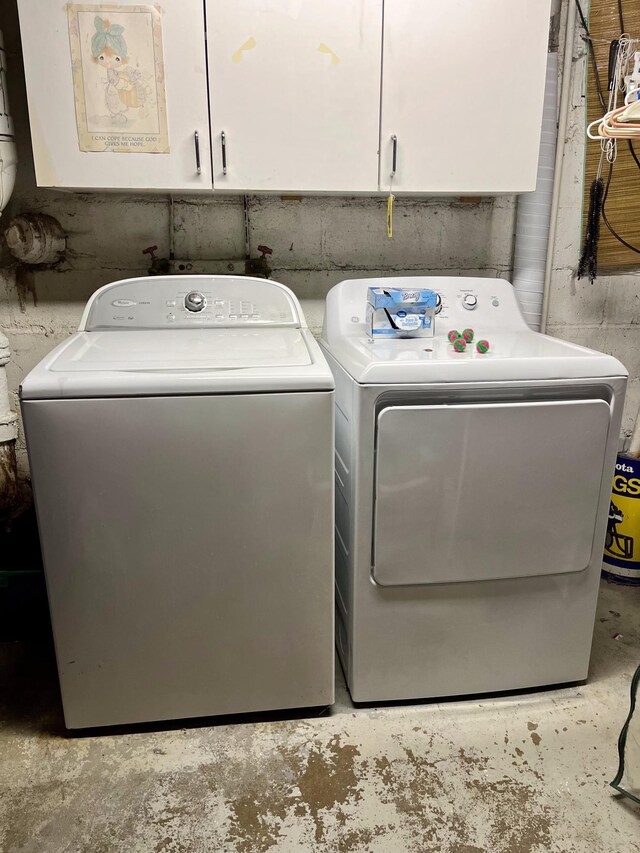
(399, 312)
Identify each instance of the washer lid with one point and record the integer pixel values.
(180, 361)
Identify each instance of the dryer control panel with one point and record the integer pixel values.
(484, 303)
(193, 301)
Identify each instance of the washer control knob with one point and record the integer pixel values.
(194, 301)
(438, 303)
(469, 301)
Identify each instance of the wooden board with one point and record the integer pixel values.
(623, 202)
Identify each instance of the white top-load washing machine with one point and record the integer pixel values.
(181, 448)
(471, 496)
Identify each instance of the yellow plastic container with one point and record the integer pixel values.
(621, 559)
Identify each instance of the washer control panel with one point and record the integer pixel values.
(157, 302)
(195, 301)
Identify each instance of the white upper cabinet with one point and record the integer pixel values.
(117, 94)
(295, 94)
(462, 92)
(302, 96)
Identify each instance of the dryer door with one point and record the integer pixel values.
(480, 491)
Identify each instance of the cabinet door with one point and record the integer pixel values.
(462, 92)
(117, 93)
(295, 93)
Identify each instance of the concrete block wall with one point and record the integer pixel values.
(316, 242)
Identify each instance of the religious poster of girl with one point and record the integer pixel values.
(118, 78)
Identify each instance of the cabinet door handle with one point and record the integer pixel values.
(223, 144)
(394, 155)
(196, 145)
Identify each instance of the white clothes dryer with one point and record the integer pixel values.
(471, 496)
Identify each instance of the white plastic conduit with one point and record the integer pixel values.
(8, 155)
(563, 117)
(8, 419)
(533, 215)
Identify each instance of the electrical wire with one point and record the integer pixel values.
(622, 740)
(588, 261)
(592, 56)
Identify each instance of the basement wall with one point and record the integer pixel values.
(316, 242)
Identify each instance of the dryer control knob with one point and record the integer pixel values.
(194, 301)
(469, 301)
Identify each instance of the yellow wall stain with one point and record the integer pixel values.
(323, 48)
(248, 45)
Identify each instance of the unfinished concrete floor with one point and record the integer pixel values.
(520, 774)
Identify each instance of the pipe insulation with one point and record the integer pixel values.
(9, 492)
(8, 163)
(533, 215)
(8, 419)
(8, 152)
